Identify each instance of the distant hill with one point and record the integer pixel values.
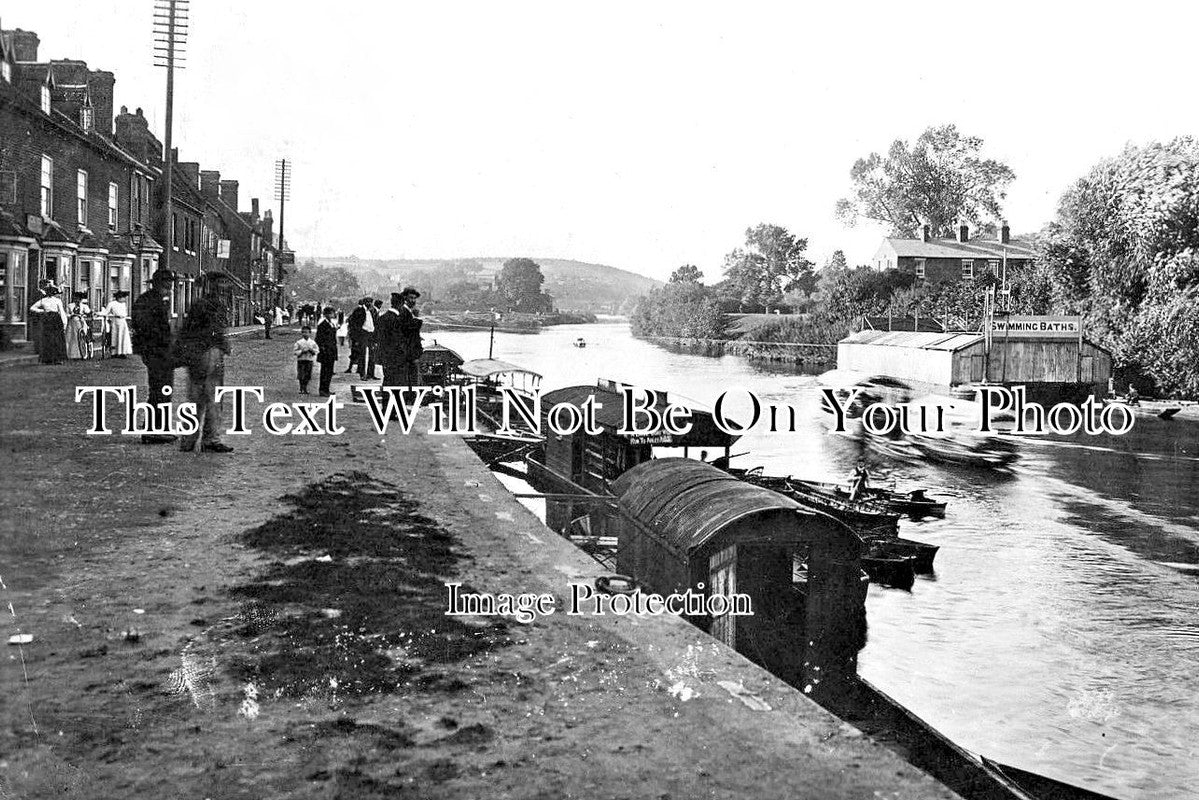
(575, 285)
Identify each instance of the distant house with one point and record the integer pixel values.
(939, 260)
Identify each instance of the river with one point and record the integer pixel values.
(1060, 633)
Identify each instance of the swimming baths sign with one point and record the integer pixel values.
(1038, 327)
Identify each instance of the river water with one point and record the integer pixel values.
(1060, 633)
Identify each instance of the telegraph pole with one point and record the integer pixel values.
(282, 194)
(170, 38)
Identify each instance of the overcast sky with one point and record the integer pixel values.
(641, 135)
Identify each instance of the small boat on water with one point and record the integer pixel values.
(580, 342)
(1162, 409)
(966, 450)
(913, 503)
(896, 571)
(864, 516)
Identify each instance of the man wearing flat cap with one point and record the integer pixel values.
(398, 340)
(151, 322)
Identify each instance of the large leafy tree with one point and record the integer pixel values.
(688, 273)
(311, 281)
(939, 180)
(520, 282)
(771, 263)
(1124, 251)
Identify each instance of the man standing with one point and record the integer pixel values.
(151, 321)
(326, 340)
(358, 334)
(399, 340)
(202, 348)
(372, 342)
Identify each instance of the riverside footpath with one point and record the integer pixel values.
(271, 623)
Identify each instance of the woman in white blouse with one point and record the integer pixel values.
(116, 313)
(53, 347)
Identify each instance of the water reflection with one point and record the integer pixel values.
(1060, 633)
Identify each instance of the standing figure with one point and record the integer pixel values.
(116, 316)
(268, 319)
(202, 348)
(399, 340)
(78, 330)
(306, 351)
(358, 335)
(343, 330)
(860, 482)
(326, 341)
(52, 324)
(152, 341)
(372, 355)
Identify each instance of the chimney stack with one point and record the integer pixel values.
(925, 232)
(254, 208)
(191, 170)
(229, 193)
(210, 184)
(1005, 233)
(99, 86)
(963, 232)
(24, 45)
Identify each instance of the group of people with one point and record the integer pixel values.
(65, 332)
(379, 337)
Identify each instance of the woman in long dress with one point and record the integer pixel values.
(53, 348)
(116, 314)
(77, 313)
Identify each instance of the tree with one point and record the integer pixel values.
(1124, 251)
(519, 283)
(771, 264)
(311, 281)
(940, 180)
(688, 273)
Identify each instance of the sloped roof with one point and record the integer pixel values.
(950, 340)
(951, 248)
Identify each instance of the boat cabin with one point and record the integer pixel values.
(686, 525)
(593, 461)
(438, 364)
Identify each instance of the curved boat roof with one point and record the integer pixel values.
(486, 367)
(688, 503)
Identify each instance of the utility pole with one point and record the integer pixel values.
(170, 38)
(282, 194)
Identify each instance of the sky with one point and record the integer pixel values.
(636, 134)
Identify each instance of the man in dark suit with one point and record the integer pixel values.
(399, 342)
(358, 334)
(326, 340)
(151, 323)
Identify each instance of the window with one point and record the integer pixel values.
(81, 197)
(86, 115)
(920, 268)
(47, 186)
(175, 230)
(112, 206)
(12, 286)
(967, 268)
(993, 266)
(6, 71)
(45, 99)
(8, 187)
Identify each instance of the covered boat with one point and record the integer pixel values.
(684, 525)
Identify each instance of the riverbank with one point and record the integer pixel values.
(270, 623)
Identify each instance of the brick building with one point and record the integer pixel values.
(74, 206)
(82, 200)
(937, 260)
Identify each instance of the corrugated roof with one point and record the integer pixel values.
(485, 367)
(951, 341)
(688, 502)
